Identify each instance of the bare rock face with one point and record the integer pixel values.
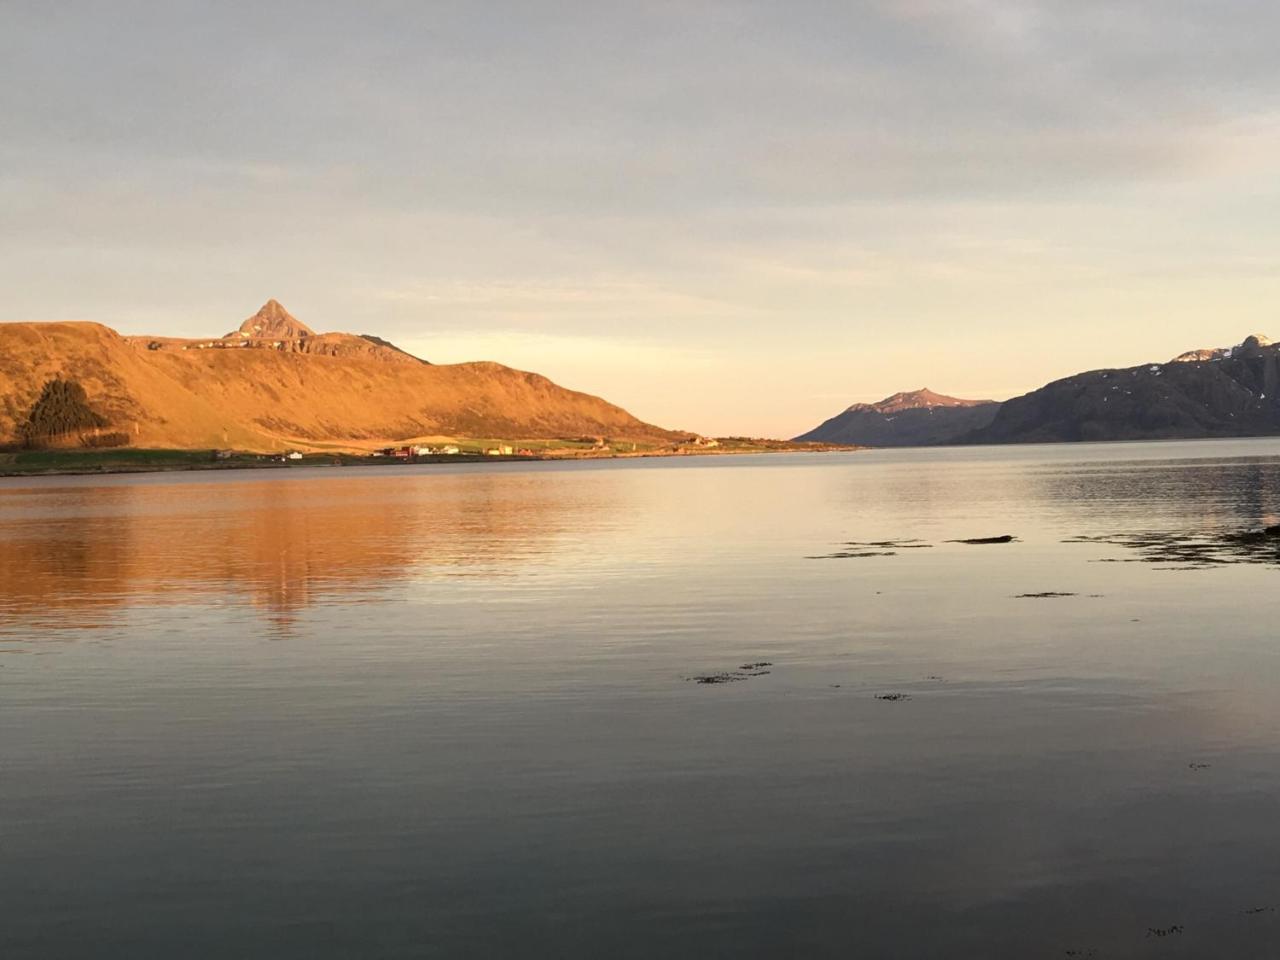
(1250, 346)
(922, 399)
(272, 322)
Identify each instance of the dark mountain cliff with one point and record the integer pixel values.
(1235, 395)
(1216, 392)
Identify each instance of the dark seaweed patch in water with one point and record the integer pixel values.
(1003, 538)
(893, 697)
(717, 678)
(1043, 595)
(744, 672)
(1193, 551)
(863, 548)
(1199, 766)
(1164, 931)
(852, 554)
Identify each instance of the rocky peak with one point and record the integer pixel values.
(922, 399)
(273, 322)
(1249, 346)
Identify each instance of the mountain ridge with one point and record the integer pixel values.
(1216, 392)
(910, 418)
(315, 391)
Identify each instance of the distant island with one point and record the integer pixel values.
(1218, 392)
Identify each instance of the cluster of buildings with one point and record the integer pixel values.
(405, 452)
(409, 452)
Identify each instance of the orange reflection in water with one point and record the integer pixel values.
(71, 555)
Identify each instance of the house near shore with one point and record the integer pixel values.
(450, 450)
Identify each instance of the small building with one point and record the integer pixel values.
(294, 455)
(450, 450)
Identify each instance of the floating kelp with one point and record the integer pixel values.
(977, 541)
(1193, 551)
(852, 554)
(745, 672)
(854, 549)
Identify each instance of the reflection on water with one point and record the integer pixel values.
(409, 712)
(72, 554)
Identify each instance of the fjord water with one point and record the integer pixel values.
(445, 711)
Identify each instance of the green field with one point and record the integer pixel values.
(108, 461)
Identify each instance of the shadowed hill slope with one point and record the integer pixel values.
(1235, 392)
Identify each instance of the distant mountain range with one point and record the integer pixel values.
(275, 382)
(920, 418)
(1221, 392)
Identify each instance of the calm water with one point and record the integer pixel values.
(434, 711)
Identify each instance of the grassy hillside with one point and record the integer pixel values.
(265, 399)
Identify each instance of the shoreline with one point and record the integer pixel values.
(182, 461)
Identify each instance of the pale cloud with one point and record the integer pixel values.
(720, 214)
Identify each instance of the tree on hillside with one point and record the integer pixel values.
(62, 409)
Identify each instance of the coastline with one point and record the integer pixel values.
(64, 463)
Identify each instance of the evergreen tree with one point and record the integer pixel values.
(62, 408)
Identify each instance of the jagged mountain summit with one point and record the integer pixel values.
(271, 322)
(277, 383)
(1250, 346)
(924, 398)
(915, 418)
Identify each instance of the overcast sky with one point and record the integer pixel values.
(729, 217)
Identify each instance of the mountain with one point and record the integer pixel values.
(272, 322)
(915, 419)
(1223, 353)
(276, 383)
(1232, 392)
(1216, 392)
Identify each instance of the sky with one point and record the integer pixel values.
(736, 218)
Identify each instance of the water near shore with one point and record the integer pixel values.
(426, 711)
